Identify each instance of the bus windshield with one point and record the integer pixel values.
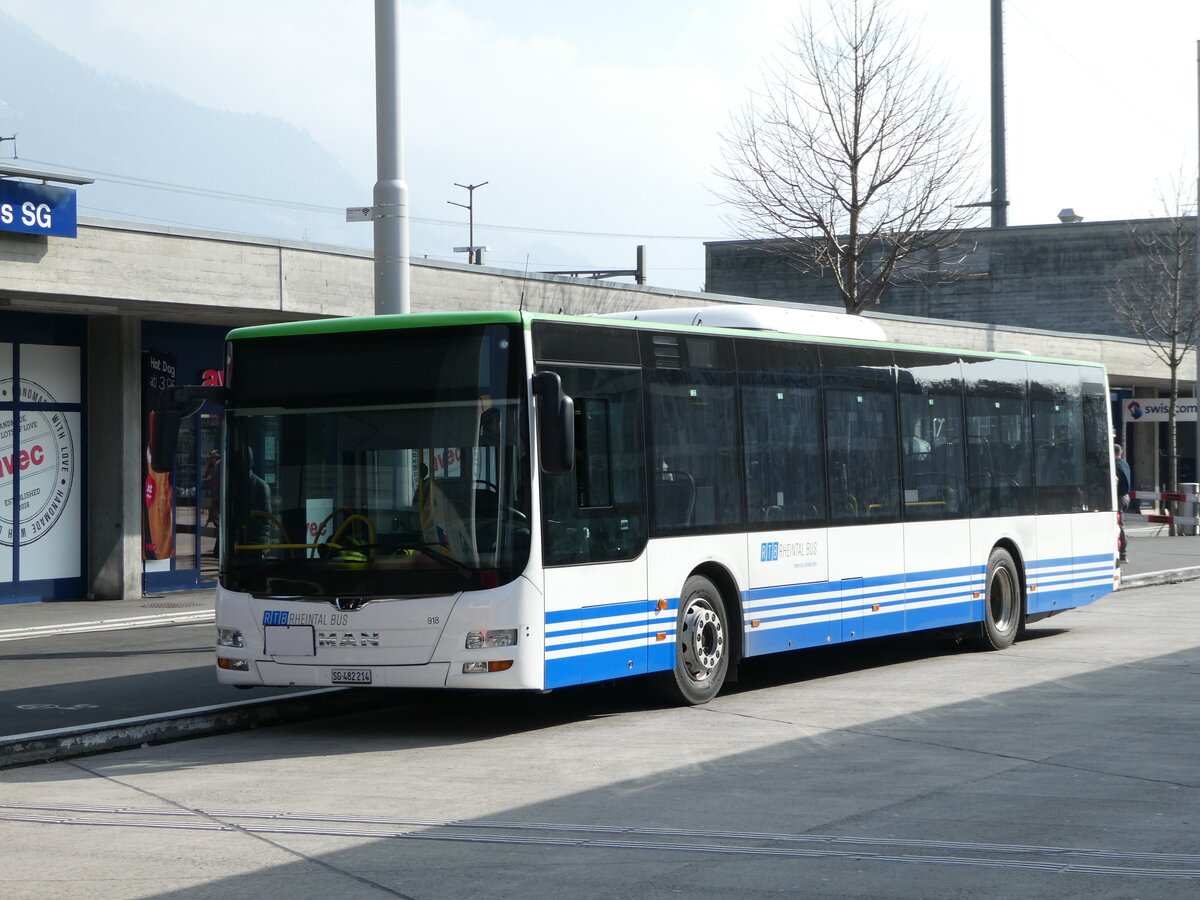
(407, 477)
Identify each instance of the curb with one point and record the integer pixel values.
(122, 734)
(1165, 576)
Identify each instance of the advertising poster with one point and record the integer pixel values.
(158, 501)
(40, 511)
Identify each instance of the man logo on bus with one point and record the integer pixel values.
(769, 552)
(1135, 409)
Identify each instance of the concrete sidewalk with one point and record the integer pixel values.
(27, 620)
(1157, 558)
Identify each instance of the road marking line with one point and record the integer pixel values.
(1052, 859)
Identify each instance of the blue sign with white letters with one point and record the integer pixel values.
(37, 208)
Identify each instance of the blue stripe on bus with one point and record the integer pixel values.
(633, 607)
(592, 667)
(581, 644)
(585, 646)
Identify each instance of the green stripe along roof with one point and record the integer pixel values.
(350, 324)
(375, 323)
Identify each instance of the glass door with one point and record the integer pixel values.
(196, 482)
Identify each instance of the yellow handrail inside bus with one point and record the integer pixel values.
(325, 521)
(333, 541)
(287, 541)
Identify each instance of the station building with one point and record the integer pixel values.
(94, 323)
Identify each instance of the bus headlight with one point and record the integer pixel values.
(481, 640)
(229, 637)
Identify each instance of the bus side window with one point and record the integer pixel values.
(692, 396)
(1057, 405)
(999, 454)
(861, 435)
(931, 422)
(782, 433)
(596, 512)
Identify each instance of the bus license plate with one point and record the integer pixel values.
(351, 676)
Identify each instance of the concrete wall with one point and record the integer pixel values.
(1053, 277)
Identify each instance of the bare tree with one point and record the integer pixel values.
(1156, 295)
(855, 154)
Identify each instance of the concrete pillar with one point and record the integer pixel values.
(114, 400)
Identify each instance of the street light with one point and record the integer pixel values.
(474, 253)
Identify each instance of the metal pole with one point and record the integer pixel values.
(474, 254)
(999, 187)
(391, 193)
(1196, 299)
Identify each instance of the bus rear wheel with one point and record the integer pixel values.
(701, 645)
(1002, 606)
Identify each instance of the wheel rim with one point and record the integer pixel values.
(703, 639)
(1001, 598)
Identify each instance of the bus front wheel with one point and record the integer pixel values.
(1002, 606)
(701, 645)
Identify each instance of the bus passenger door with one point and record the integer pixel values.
(593, 528)
(1050, 577)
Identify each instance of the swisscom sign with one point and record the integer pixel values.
(37, 208)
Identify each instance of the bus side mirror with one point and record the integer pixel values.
(555, 424)
(173, 406)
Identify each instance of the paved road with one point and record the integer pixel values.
(71, 680)
(1064, 767)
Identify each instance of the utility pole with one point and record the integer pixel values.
(390, 210)
(1196, 299)
(474, 253)
(999, 202)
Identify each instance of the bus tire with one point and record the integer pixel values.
(1002, 605)
(701, 645)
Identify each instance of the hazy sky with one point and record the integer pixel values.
(597, 124)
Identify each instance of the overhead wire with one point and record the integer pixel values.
(193, 190)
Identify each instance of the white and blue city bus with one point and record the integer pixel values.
(523, 501)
